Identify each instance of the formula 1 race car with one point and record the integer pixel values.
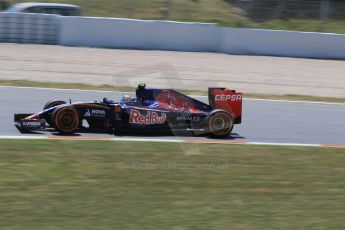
(151, 110)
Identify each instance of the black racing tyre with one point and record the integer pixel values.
(50, 104)
(65, 120)
(53, 103)
(220, 124)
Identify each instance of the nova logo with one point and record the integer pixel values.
(99, 112)
(94, 113)
(150, 118)
(87, 114)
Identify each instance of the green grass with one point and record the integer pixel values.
(215, 11)
(25, 83)
(57, 184)
(306, 25)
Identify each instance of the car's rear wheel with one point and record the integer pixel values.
(220, 124)
(66, 120)
(53, 103)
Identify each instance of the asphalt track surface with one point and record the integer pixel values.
(263, 120)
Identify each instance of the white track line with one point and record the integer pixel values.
(24, 137)
(285, 144)
(166, 141)
(147, 140)
(289, 101)
(109, 91)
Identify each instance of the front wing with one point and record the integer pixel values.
(28, 124)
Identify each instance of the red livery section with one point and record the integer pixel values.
(228, 100)
(173, 100)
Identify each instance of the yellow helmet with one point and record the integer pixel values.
(141, 85)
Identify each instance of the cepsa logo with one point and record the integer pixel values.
(150, 118)
(228, 97)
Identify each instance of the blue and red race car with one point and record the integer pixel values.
(152, 110)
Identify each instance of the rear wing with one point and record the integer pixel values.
(228, 100)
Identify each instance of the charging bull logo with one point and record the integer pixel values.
(150, 118)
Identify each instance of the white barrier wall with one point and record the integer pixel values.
(283, 43)
(139, 34)
(29, 28)
(165, 35)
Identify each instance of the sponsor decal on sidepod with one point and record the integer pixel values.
(190, 118)
(150, 118)
(94, 113)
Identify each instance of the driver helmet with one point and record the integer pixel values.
(141, 86)
(128, 98)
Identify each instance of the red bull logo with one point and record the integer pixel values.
(150, 118)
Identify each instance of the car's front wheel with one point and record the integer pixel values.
(65, 120)
(53, 103)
